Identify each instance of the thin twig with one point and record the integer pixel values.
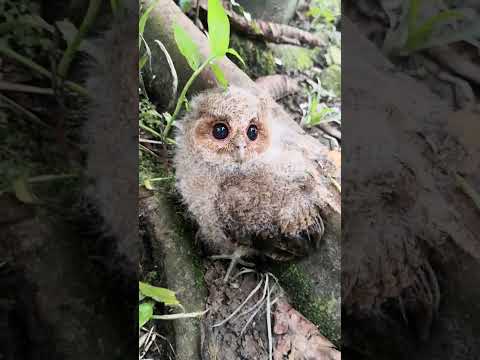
(269, 322)
(147, 141)
(253, 292)
(9, 86)
(5, 50)
(146, 149)
(24, 111)
(180, 316)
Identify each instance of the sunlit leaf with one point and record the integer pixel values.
(187, 47)
(218, 28)
(237, 55)
(148, 184)
(145, 313)
(159, 294)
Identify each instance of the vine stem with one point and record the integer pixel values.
(67, 58)
(183, 94)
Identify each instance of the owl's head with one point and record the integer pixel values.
(227, 126)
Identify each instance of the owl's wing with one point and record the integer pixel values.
(320, 163)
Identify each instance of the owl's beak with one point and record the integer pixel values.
(240, 147)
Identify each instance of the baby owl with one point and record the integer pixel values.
(250, 179)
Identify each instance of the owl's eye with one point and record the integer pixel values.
(252, 132)
(220, 131)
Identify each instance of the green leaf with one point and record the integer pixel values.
(219, 75)
(23, 192)
(423, 33)
(218, 28)
(318, 116)
(142, 61)
(145, 313)
(185, 5)
(159, 294)
(237, 55)
(187, 47)
(143, 20)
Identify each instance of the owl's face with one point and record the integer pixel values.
(229, 127)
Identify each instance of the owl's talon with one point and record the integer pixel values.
(235, 258)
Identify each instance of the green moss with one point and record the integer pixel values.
(257, 56)
(183, 230)
(319, 311)
(331, 79)
(295, 57)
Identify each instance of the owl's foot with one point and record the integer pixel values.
(235, 258)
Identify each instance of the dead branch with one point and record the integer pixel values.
(276, 33)
(268, 31)
(278, 86)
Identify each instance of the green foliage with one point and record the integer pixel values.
(147, 293)
(187, 47)
(158, 294)
(218, 28)
(145, 312)
(185, 5)
(415, 33)
(259, 59)
(326, 11)
(420, 35)
(219, 39)
(219, 74)
(315, 114)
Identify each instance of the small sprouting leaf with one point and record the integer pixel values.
(218, 28)
(187, 47)
(219, 75)
(148, 184)
(23, 192)
(237, 55)
(145, 313)
(318, 116)
(159, 294)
